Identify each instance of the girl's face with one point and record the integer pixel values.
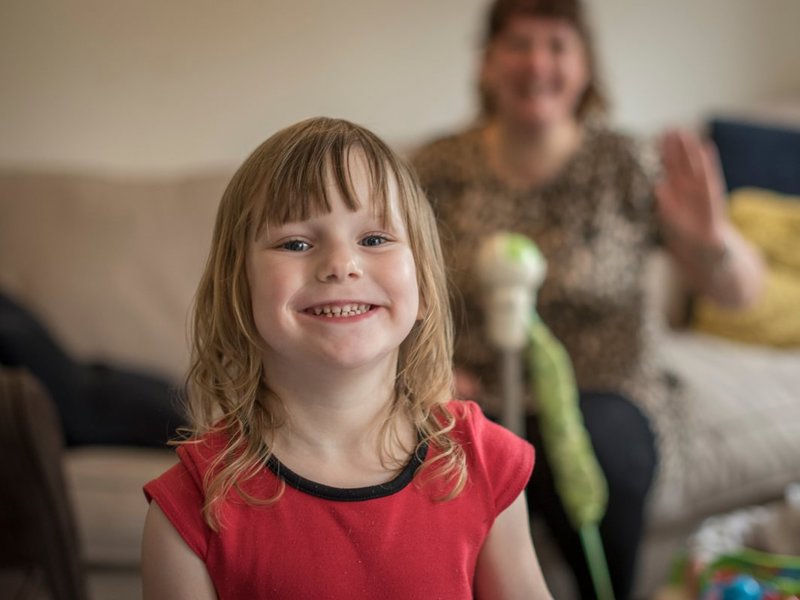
(337, 290)
(535, 71)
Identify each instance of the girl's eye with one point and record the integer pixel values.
(374, 240)
(296, 246)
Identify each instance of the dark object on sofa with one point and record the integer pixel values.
(39, 539)
(758, 155)
(97, 403)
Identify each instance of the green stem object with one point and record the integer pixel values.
(578, 478)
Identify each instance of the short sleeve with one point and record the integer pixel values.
(499, 457)
(179, 494)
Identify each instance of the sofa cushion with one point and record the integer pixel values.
(774, 320)
(772, 223)
(105, 484)
(739, 428)
(109, 264)
(758, 152)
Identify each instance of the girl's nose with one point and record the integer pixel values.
(339, 265)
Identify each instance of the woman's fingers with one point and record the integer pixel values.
(690, 195)
(712, 171)
(683, 156)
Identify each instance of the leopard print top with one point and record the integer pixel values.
(595, 224)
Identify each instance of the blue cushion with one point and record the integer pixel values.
(758, 155)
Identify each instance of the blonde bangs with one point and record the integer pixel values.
(297, 182)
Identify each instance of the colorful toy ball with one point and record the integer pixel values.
(742, 587)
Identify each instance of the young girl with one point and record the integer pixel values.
(326, 458)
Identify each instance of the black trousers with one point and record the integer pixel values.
(97, 403)
(625, 448)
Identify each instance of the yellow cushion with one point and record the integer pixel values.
(772, 223)
(774, 320)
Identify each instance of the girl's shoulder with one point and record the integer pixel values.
(200, 452)
(195, 458)
(465, 411)
(473, 426)
(495, 455)
(180, 491)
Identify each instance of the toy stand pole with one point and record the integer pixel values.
(513, 415)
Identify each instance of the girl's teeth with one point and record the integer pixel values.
(348, 310)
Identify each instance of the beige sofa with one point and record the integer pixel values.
(111, 265)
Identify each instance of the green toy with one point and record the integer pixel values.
(511, 269)
(579, 481)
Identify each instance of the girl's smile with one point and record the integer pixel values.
(339, 311)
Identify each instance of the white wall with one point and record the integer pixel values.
(678, 61)
(161, 85)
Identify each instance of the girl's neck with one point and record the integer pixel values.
(334, 428)
(525, 158)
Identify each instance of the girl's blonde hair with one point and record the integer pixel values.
(284, 180)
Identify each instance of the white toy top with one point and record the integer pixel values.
(511, 269)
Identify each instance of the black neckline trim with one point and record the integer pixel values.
(328, 492)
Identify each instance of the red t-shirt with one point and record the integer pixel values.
(391, 541)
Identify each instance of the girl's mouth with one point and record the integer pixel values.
(339, 310)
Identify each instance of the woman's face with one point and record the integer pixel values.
(535, 72)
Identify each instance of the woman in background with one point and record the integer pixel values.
(541, 161)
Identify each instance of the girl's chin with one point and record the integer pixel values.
(353, 358)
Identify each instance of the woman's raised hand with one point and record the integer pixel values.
(691, 193)
(691, 206)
